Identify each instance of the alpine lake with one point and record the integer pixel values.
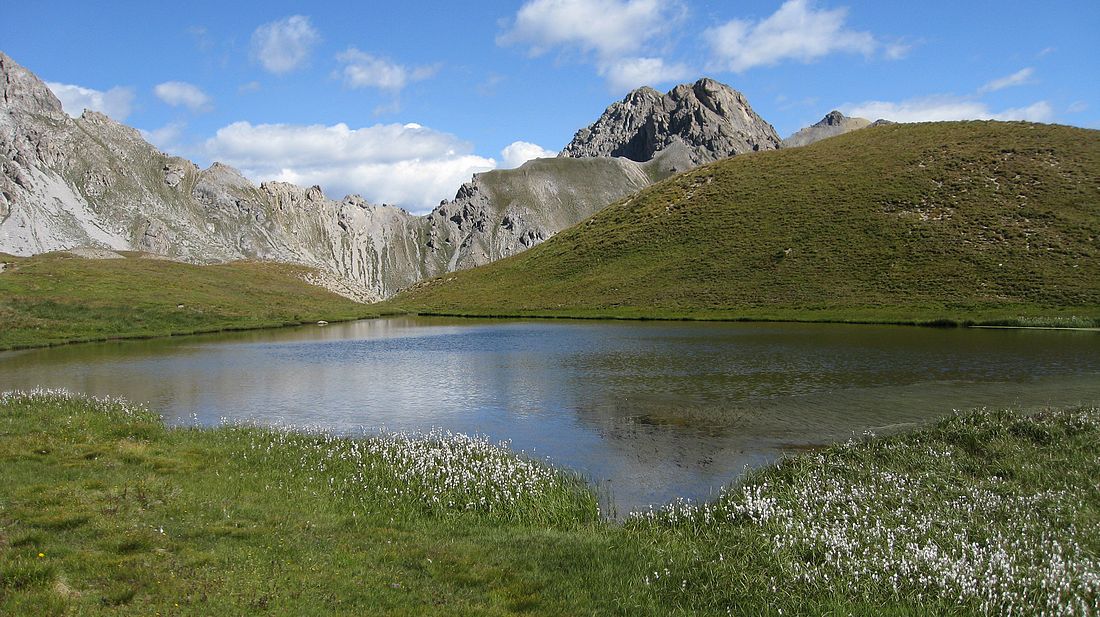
(646, 411)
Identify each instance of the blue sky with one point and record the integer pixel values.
(401, 102)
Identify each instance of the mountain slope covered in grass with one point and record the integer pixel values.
(59, 298)
(975, 221)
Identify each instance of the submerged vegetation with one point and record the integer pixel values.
(59, 298)
(105, 510)
(944, 223)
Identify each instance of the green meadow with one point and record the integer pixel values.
(58, 298)
(104, 510)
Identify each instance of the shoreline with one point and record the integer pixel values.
(937, 323)
(212, 330)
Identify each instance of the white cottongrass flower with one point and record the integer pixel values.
(912, 534)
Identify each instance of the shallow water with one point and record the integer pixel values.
(647, 410)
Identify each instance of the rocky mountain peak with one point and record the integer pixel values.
(21, 90)
(833, 118)
(713, 120)
(834, 123)
(639, 95)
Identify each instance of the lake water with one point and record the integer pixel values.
(647, 410)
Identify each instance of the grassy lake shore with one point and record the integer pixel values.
(57, 298)
(1056, 319)
(104, 510)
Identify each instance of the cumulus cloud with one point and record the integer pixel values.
(1041, 111)
(944, 108)
(629, 73)
(609, 27)
(519, 152)
(362, 70)
(284, 45)
(181, 93)
(1019, 78)
(406, 165)
(116, 102)
(796, 31)
(607, 32)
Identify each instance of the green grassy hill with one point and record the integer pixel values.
(975, 221)
(57, 298)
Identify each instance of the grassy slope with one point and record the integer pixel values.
(56, 298)
(979, 221)
(104, 511)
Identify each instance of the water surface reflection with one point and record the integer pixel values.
(651, 410)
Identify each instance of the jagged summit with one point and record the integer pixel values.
(21, 90)
(712, 119)
(834, 123)
(833, 118)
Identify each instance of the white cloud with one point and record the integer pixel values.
(1019, 78)
(1036, 112)
(629, 73)
(897, 50)
(116, 102)
(519, 152)
(1077, 107)
(610, 28)
(181, 93)
(362, 70)
(166, 137)
(406, 165)
(606, 32)
(945, 108)
(284, 45)
(797, 31)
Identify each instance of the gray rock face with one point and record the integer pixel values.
(834, 123)
(20, 89)
(91, 181)
(711, 119)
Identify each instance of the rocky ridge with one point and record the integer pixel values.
(712, 120)
(90, 181)
(834, 123)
